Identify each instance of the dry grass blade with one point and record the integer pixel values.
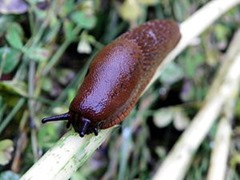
(180, 156)
(218, 162)
(68, 154)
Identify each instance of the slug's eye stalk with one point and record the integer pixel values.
(61, 117)
(80, 124)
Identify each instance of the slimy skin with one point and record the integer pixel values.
(118, 75)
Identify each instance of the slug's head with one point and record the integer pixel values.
(80, 124)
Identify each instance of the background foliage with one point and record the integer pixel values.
(45, 50)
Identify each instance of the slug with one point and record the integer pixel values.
(118, 75)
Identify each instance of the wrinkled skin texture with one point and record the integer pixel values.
(119, 74)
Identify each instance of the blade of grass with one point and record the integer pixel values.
(61, 159)
(219, 156)
(10, 116)
(181, 154)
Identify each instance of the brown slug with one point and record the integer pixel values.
(118, 75)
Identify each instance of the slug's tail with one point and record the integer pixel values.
(60, 117)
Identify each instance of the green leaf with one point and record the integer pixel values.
(84, 43)
(191, 64)
(130, 10)
(222, 32)
(9, 175)
(84, 47)
(47, 135)
(48, 86)
(9, 59)
(68, 29)
(163, 117)
(171, 74)
(66, 8)
(188, 91)
(37, 53)
(13, 88)
(4, 22)
(181, 120)
(14, 35)
(6, 148)
(83, 20)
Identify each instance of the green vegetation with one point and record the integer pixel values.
(45, 50)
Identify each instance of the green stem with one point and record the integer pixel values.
(10, 116)
(56, 56)
(31, 104)
(60, 51)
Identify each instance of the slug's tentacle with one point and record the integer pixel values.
(84, 127)
(81, 128)
(95, 131)
(61, 117)
(80, 124)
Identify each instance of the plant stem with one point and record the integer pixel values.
(10, 116)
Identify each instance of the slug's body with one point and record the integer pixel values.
(118, 75)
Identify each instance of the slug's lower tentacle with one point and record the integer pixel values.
(95, 131)
(85, 127)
